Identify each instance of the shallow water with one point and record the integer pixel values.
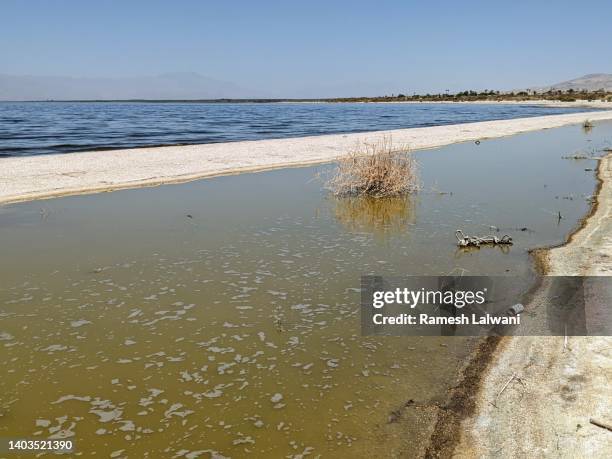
(222, 316)
(32, 128)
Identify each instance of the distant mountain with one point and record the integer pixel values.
(167, 86)
(591, 82)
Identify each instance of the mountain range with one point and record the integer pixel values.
(173, 86)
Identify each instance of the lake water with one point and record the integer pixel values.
(32, 128)
(221, 316)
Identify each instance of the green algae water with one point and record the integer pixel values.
(220, 318)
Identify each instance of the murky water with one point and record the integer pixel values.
(220, 317)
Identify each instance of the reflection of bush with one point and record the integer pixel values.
(377, 215)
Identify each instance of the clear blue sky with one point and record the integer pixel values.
(310, 48)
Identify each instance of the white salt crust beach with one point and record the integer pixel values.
(36, 177)
(558, 385)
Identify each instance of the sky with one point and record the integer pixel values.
(312, 48)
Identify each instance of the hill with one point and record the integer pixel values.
(591, 82)
(174, 86)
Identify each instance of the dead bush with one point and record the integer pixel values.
(377, 170)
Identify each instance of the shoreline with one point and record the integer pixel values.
(536, 102)
(558, 384)
(28, 178)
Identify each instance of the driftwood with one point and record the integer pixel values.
(602, 424)
(477, 241)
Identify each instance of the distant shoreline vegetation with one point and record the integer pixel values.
(569, 95)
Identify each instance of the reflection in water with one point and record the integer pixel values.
(461, 251)
(381, 216)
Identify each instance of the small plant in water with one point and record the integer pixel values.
(587, 126)
(376, 170)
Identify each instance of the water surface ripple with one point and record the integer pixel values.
(34, 128)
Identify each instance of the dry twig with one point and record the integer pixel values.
(602, 424)
(494, 403)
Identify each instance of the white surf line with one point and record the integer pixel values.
(36, 177)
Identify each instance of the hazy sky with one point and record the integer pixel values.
(312, 48)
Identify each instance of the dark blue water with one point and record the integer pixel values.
(34, 128)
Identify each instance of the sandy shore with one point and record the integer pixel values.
(559, 386)
(539, 102)
(36, 177)
(558, 103)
